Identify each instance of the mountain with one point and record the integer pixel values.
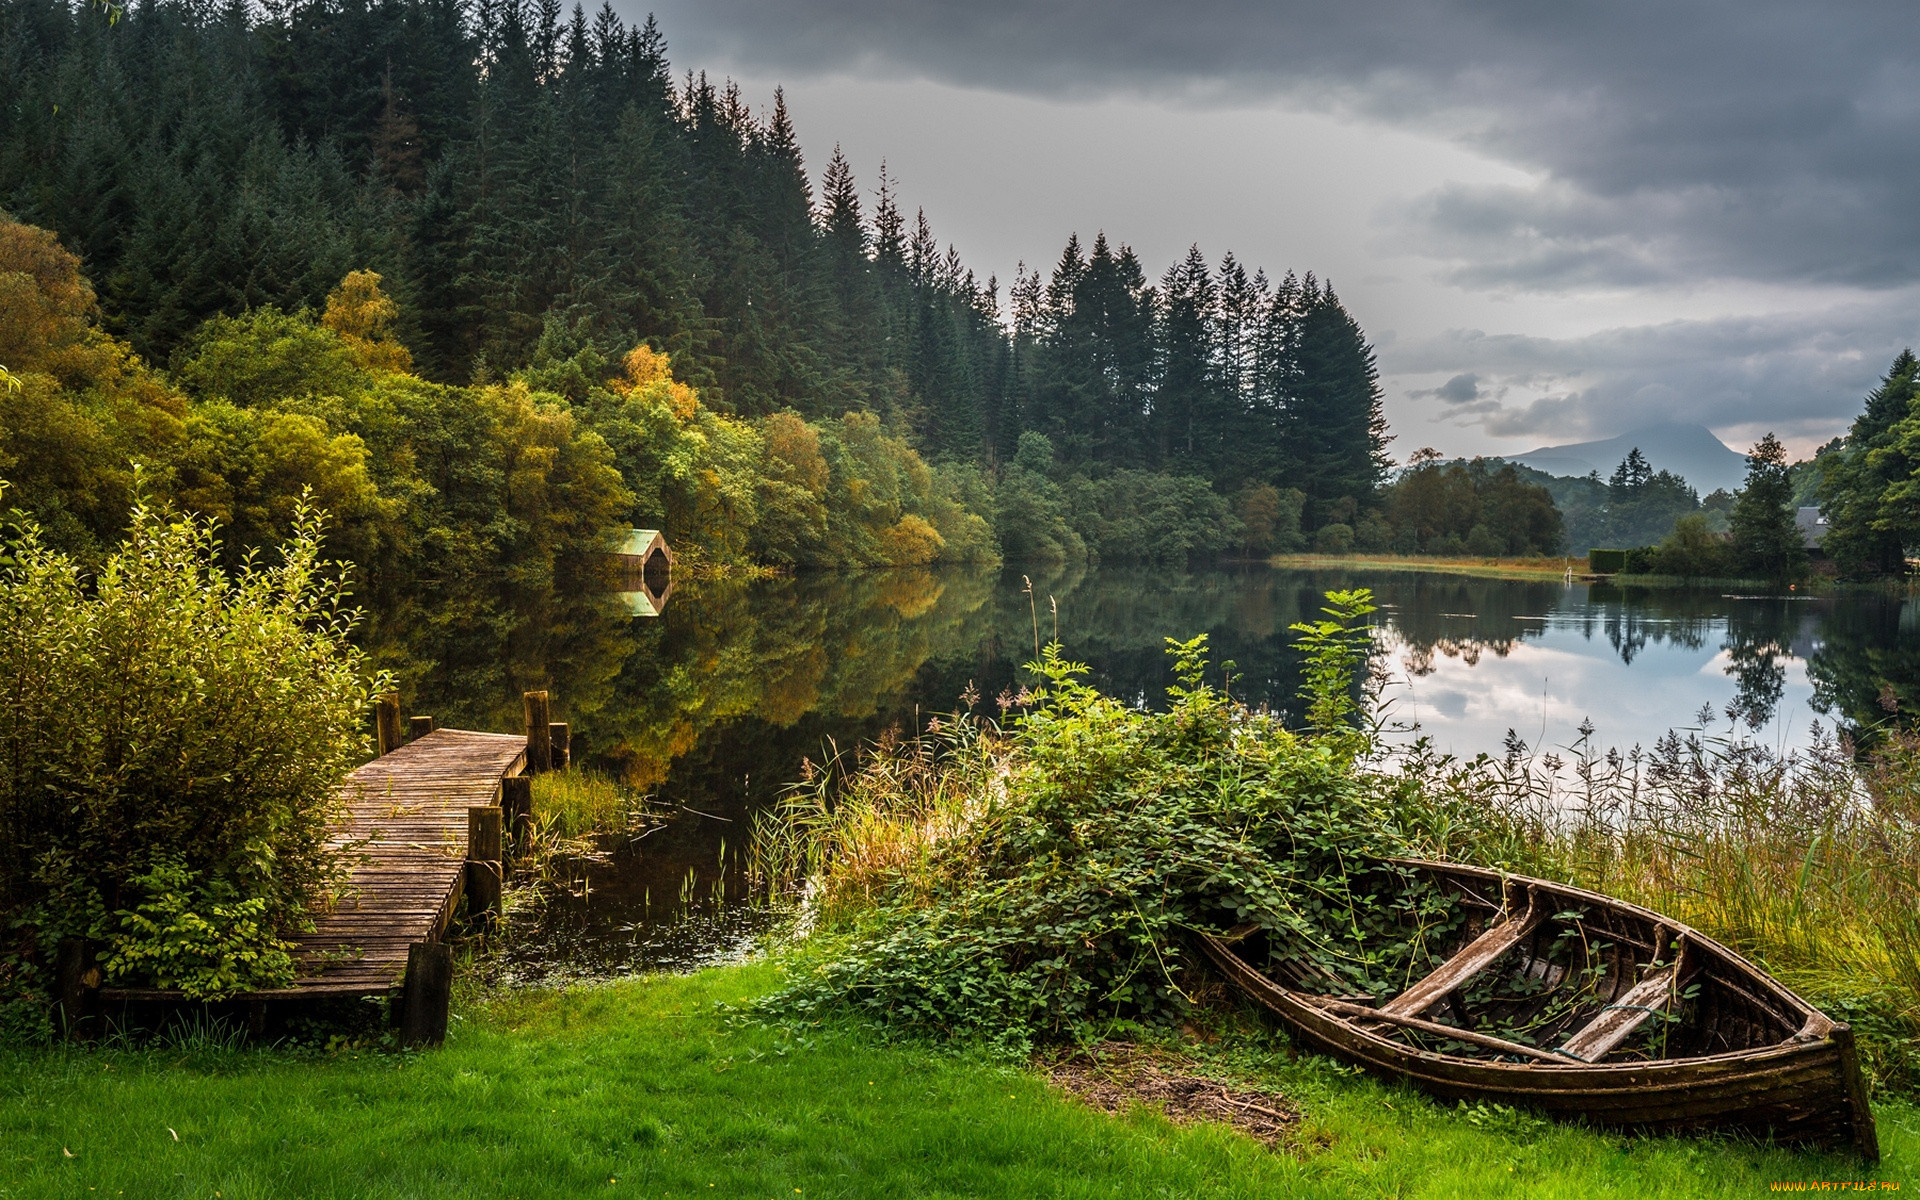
(1687, 450)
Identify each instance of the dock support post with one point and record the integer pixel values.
(77, 981)
(429, 994)
(483, 864)
(559, 745)
(418, 727)
(386, 721)
(516, 809)
(539, 733)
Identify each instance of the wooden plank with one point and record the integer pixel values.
(1475, 957)
(1617, 1021)
(1361, 1013)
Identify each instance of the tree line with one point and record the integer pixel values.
(536, 188)
(522, 477)
(1868, 482)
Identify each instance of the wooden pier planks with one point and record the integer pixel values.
(406, 829)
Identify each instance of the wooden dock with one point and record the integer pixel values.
(406, 834)
(408, 828)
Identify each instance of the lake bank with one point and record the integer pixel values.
(652, 1087)
(1486, 568)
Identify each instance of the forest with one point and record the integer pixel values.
(424, 257)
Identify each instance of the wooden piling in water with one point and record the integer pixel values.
(559, 745)
(428, 994)
(418, 727)
(539, 733)
(516, 809)
(483, 865)
(386, 721)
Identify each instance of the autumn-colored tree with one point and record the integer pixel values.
(81, 409)
(363, 316)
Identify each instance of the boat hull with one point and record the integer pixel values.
(1806, 1089)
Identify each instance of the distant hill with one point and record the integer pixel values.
(1690, 451)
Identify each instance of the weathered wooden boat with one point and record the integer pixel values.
(1577, 1004)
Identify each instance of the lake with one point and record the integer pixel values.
(715, 704)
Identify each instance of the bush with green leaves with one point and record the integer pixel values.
(171, 737)
(1024, 886)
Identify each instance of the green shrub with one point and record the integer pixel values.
(171, 735)
(1693, 551)
(194, 934)
(1639, 561)
(1606, 562)
(1020, 894)
(1336, 538)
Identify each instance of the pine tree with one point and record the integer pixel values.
(1631, 476)
(1856, 479)
(1766, 539)
(1335, 418)
(1186, 405)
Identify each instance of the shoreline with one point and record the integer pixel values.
(1556, 569)
(1497, 568)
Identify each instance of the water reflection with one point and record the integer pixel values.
(714, 704)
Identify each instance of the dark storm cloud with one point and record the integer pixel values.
(1803, 375)
(1461, 389)
(1730, 140)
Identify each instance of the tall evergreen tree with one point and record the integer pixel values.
(1188, 410)
(1766, 538)
(1336, 422)
(1855, 479)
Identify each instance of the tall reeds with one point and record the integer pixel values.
(867, 821)
(1806, 861)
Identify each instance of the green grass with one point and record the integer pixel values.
(647, 1089)
(1492, 568)
(580, 803)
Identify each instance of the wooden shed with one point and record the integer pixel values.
(645, 565)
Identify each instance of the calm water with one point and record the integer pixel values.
(714, 704)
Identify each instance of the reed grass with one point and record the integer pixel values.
(575, 813)
(870, 819)
(583, 803)
(1808, 862)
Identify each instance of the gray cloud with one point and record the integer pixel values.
(1753, 140)
(1803, 375)
(1461, 389)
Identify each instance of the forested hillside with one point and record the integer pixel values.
(540, 194)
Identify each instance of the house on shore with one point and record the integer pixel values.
(645, 565)
(1813, 528)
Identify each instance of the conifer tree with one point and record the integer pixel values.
(1335, 417)
(1766, 539)
(1856, 479)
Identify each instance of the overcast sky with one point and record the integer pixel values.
(1556, 221)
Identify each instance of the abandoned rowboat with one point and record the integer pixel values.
(1577, 1004)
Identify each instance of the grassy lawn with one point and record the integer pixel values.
(647, 1089)
(1496, 568)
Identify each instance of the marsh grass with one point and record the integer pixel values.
(583, 804)
(874, 818)
(1808, 861)
(576, 815)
